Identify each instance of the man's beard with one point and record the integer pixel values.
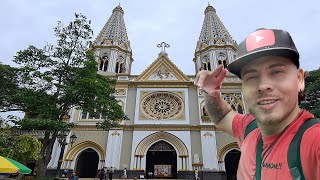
(265, 117)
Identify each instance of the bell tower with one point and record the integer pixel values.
(112, 46)
(215, 45)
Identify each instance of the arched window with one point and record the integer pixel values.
(105, 65)
(86, 115)
(120, 65)
(122, 68)
(224, 63)
(104, 61)
(235, 101)
(240, 110)
(205, 64)
(101, 65)
(222, 59)
(117, 67)
(204, 112)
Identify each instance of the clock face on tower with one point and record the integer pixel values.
(162, 106)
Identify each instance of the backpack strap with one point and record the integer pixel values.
(250, 127)
(259, 159)
(294, 160)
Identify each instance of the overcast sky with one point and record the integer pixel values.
(149, 22)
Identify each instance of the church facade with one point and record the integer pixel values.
(169, 134)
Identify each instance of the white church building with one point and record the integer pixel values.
(169, 133)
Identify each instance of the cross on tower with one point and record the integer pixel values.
(163, 46)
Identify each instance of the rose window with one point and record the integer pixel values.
(162, 105)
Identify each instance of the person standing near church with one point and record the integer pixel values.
(73, 176)
(196, 174)
(111, 173)
(102, 174)
(124, 176)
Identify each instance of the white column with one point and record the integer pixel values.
(69, 164)
(209, 150)
(136, 162)
(182, 164)
(222, 166)
(54, 155)
(178, 163)
(114, 148)
(127, 63)
(140, 157)
(186, 162)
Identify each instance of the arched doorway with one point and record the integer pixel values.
(231, 161)
(87, 164)
(161, 160)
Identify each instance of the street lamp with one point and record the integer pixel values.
(62, 139)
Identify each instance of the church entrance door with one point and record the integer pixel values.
(87, 164)
(231, 161)
(161, 161)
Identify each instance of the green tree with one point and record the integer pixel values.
(22, 148)
(8, 86)
(312, 92)
(52, 81)
(5, 147)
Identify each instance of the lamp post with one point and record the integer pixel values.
(62, 139)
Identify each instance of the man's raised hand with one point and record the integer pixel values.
(210, 81)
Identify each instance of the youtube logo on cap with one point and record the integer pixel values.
(260, 38)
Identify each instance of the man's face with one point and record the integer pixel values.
(270, 86)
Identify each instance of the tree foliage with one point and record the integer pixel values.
(51, 81)
(25, 148)
(4, 138)
(21, 148)
(312, 91)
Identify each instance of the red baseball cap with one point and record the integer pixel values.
(264, 42)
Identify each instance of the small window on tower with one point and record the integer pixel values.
(222, 59)
(209, 66)
(101, 65)
(117, 67)
(84, 115)
(204, 112)
(122, 68)
(205, 63)
(225, 64)
(104, 60)
(105, 65)
(120, 65)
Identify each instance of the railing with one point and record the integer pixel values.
(39, 134)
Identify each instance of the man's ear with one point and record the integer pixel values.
(301, 77)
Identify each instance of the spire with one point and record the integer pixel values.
(112, 46)
(213, 31)
(215, 45)
(114, 32)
